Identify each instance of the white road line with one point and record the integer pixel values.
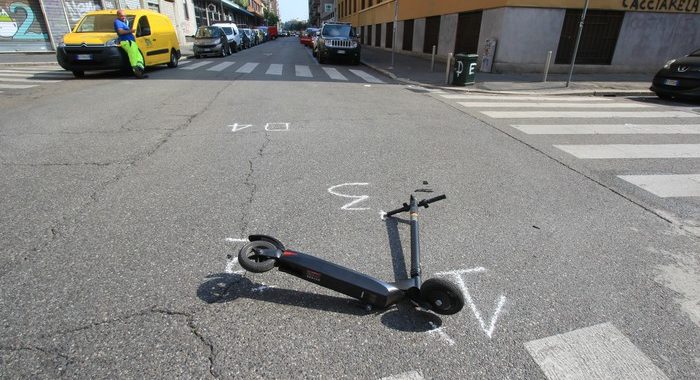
(274, 69)
(17, 86)
(221, 66)
(186, 61)
(608, 129)
(28, 80)
(552, 105)
(632, 151)
(367, 77)
(597, 352)
(247, 68)
(334, 73)
(34, 70)
(586, 114)
(196, 65)
(667, 185)
(28, 74)
(410, 375)
(536, 98)
(302, 71)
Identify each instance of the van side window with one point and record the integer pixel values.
(143, 28)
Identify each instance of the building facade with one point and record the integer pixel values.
(625, 36)
(39, 25)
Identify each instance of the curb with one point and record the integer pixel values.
(581, 92)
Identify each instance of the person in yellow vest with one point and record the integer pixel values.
(128, 43)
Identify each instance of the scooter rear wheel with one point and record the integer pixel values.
(443, 296)
(253, 262)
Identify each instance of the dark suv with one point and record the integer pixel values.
(337, 40)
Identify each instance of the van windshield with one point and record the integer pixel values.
(208, 33)
(100, 23)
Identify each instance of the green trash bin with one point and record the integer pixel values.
(464, 69)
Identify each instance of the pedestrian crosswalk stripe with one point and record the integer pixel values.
(247, 68)
(334, 73)
(625, 151)
(551, 105)
(31, 72)
(274, 69)
(608, 129)
(221, 66)
(596, 352)
(16, 86)
(28, 80)
(302, 71)
(36, 75)
(367, 77)
(586, 114)
(534, 97)
(196, 65)
(667, 185)
(184, 62)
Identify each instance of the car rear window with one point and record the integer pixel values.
(207, 33)
(336, 31)
(100, 23)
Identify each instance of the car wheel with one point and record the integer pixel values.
(173, 59)
(320, 57)
(664, 96)
(196, 56)
(223, 51)
(78, 73)
(356, 61)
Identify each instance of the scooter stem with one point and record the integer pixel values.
(415, 241)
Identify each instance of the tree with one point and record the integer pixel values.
(243, 3)
(270, 17)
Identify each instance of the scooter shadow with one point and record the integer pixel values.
(227, 287)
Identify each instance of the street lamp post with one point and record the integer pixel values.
(393, 34)
(578, 39)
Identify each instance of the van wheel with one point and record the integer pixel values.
(78, 73)
(173, 59)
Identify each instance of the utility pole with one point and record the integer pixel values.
(578, 39)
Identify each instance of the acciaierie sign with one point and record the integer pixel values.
(686, 6)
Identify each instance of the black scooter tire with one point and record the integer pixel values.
(443, 296)
(251, 262)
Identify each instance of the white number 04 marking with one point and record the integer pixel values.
(358, 198)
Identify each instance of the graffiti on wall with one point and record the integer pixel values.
(686, 6)
(21, 20)
(75, 9)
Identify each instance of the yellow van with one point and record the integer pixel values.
(93, 43)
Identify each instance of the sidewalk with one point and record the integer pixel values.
(416, 70)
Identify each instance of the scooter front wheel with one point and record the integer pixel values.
(253, 262)
(443, 296)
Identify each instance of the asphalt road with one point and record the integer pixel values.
(124, 204)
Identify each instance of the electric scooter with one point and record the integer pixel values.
(263, 253)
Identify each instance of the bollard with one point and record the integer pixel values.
(546, 65)
(432, 60)
(447, 69)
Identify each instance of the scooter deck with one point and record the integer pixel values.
(341, 279)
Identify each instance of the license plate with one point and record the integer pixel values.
(671, 82)
(83, 57)
(341, 51)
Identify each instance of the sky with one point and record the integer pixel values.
(294, 9)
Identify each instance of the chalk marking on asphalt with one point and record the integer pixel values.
(410, 375)
(277, 127)
(302, 71)
(221, 66)
(235, 127)
(229, 267)
(274, 69)
(533, 104)
(359, 198)
(366, 77)
(500, 302)
(667, 185)
(628, 151)
(262, 288)
(334, 74)
(520, 97)
(233, 240)
(587, 114)
(608, 129)
(247, 68)
(596, 352)
(440, 333)
(196, 65)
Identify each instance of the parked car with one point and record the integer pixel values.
(307, 37)
(337, 40)
(233, 36)
(210, 40)
(679, 78)
(93, 43)
(272, 32)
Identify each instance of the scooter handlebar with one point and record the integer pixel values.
(423, 203)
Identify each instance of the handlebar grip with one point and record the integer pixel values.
(426, 202)
(398, 210)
